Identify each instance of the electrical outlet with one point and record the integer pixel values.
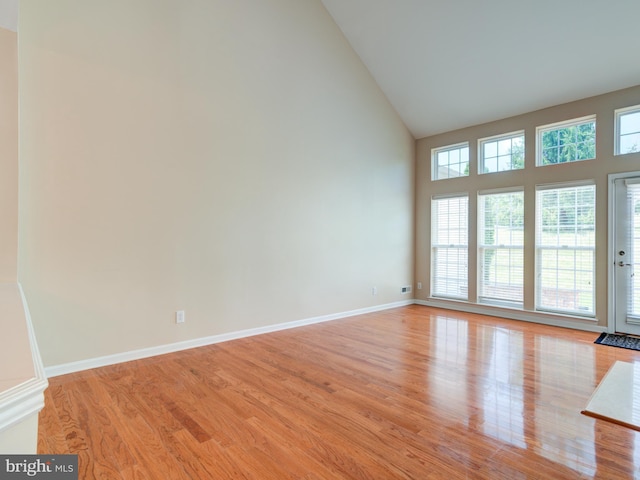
(374, 290)
(180, 316)
(419, 285)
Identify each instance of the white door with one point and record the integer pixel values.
(626, 255)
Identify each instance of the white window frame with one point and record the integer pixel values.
(447, 148)
(539, 247)
(557, 126)
(485, 300)
(435, 246)
(497, 138)
(619, 113)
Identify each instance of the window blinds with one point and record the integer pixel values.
(449, 245)
(500, 248)
(565, 249)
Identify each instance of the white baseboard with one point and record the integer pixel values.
(21, 402)
(87, 364)
(534, 317)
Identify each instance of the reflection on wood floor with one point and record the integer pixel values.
(413, 392)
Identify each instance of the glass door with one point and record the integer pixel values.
(627, 255)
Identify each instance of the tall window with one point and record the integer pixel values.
(565, 142)
(499, 154)
(628, 130)
(449, 246)
(450, 162)
(565, 249)
(500, 248)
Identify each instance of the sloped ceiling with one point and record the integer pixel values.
(9, 14)
(448, 64)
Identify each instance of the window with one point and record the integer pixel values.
(628, 130)
(565, 142)
(450, 162)
(449, 246)
(500, 248)
(499, 154)
(565, 249)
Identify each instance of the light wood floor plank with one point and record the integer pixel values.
(409, 393)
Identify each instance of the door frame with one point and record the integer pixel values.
(611, 242)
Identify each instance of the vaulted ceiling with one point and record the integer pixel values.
(9, 14)
(448, 64)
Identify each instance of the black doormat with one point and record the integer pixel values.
(622, 341)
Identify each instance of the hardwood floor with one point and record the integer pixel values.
(413, 392)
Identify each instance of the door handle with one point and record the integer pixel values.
(622, 264)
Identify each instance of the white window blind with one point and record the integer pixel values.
(565, 249)
(500, 248)
(449, 247)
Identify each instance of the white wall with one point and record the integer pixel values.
(21, 384)
(232, 159)
(8, 155)
(21, 438)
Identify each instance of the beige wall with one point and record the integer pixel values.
(603, 107)
(21, 438)
(8, 155)
(232, 159)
